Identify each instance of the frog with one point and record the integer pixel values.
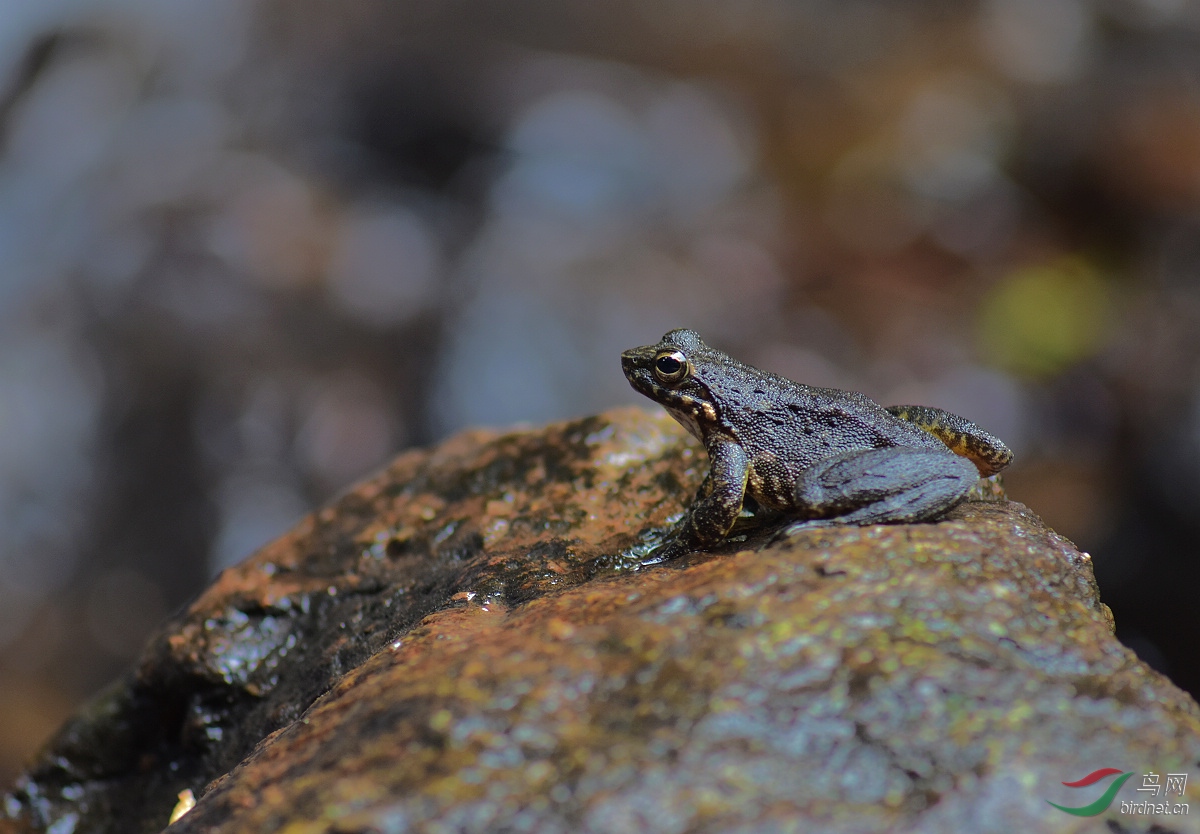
(815, 456)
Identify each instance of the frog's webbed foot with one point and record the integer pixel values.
(680, 541)
(893, 485)
(665, 552)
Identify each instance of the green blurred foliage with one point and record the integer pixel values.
(1041, 319)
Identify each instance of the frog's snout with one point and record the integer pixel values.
(635, 364)
(628, 366)
(632, 359)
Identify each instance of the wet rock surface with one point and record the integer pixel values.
(467, 642)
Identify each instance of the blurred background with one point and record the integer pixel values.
(250, 250)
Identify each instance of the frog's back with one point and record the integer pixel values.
(800, 425)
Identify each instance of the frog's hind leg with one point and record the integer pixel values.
(961, 436)
(894, 485)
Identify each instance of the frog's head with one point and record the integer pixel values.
(667, 373)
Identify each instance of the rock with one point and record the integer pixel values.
(467, 642)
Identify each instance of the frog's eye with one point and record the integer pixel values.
(670, 366)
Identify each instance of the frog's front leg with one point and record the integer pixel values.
(717, 505)
(893, 485)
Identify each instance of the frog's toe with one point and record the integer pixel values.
(672, 548)
(797, 527)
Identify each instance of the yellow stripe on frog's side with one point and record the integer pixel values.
(960, 435)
